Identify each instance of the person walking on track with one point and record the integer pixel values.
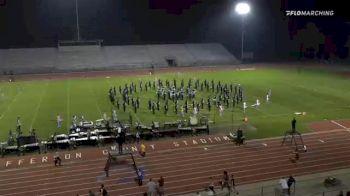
(294, 121)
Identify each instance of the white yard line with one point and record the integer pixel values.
(96, 103)
(9, 106)
(261, 111)
(340, 125)
(68, 103)
(38, 106)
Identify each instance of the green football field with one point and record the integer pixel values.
(321, 94)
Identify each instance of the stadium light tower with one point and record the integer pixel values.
(242, 8)
(77, 19)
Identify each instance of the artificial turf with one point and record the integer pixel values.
(321, 94)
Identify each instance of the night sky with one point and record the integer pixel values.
(40, 23)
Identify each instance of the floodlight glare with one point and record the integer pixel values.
(242, 8)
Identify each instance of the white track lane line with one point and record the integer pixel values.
(157, 154)
(225, 163)
(192, 179)
(160, 173)
(340, 125)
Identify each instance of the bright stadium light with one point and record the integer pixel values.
(242, 8)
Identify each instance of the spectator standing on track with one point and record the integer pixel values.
(233, 184)
(151, 188)
(225, 181)
(284, 186)
(141, 176)
(290, 182)
(161, 186)
(57, 159)
(103, 191)
(120, 140)
(91, 193)
(294, 122)
(212, 185)
(108, 163)
(142, 150)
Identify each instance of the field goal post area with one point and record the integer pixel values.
(119, 158)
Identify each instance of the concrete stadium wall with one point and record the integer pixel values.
(70, 58)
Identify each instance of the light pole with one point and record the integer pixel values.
(242, 8)
(77, 19)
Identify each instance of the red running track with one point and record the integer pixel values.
(184, 169)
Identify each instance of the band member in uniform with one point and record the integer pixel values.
(221, 109)
(59, 121)
(244, 106)
(18, 126)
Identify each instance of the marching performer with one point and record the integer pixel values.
(244, 106)
(221, 109)
(59, 121)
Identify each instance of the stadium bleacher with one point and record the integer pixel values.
(97, 57)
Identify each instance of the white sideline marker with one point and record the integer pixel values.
(346, 129)
(340, 125)
(322, 141)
